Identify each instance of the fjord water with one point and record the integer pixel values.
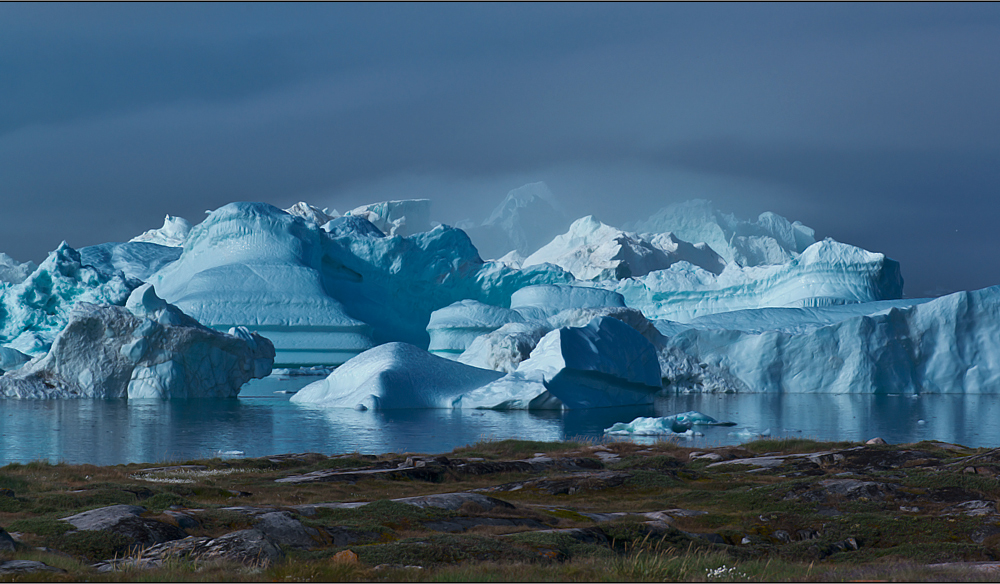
(261, 422)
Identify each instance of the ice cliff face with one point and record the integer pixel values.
(147, 349)
(826, 273)
(945, 345)
(33, 311)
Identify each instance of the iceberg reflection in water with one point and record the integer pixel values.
(262, 422)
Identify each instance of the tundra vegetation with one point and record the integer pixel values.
(513, 510)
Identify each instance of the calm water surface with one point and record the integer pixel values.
(262, 422)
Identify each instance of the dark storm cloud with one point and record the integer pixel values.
(876, 125)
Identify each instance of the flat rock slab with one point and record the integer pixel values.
(454, 501)
(567, 485)
(666, 516)
(25, 567)
(177, 468)
(103, 518)
(433, 470)
(460, 524)
(249, 547)
(281, 528)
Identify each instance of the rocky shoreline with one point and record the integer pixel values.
(803, 510)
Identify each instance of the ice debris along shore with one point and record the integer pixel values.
(675, 424)
(690, 300)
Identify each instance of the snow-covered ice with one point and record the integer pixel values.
(395, 376)
(13, 271)
(591, 250)
(401, 218)
(173, 233)
(771, 239)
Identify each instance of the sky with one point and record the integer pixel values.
(877, 125)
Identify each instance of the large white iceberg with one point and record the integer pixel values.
(147, 349)
(771, 239)
(33, 311)
(591, 250)
(253, 265)
(826, 273)
(395, 376)
(541, 301)
(506, 347)
(945, 345)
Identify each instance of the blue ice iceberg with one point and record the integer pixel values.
(676, 424)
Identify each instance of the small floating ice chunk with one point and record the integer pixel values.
(676, 424)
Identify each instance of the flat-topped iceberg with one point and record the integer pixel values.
(826, 273)
(395, 376)
(945, 345)
(539, 302)
(675, 424)
(147, 349)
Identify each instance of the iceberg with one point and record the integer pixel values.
(253, 265)
(527, 218)
(13, 271)
(395, 376)
(505, 348)
(827, 273)
(147, 349)
(33, 311)
(591, 250)
(137, 260)
(605, 363)
(401, 218)
(312, 214)
(944, 345)
(453, 328)
(676, 424)
(174, 233)
(771, 239)
(541, 301)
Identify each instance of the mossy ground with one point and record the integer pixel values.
(752, 524)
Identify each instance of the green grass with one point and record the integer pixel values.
(512, 449)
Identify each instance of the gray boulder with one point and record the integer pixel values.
(283, 529)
